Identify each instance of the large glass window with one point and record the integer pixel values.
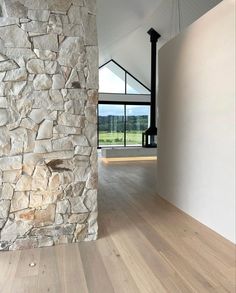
(111, 79)
(111, 125)
(122, 125)
(115, 79)
(137, 120)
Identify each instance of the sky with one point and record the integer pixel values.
(118, 110)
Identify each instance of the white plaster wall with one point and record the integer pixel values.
(196, 169)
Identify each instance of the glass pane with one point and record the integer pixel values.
(111, 79)
(111, 125)
(134, 87)
(137, 120)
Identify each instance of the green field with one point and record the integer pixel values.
(117, 138)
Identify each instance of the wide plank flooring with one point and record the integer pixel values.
(145, 245)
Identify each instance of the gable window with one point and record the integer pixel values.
(123, 109)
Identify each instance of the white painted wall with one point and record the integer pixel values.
(196, 169)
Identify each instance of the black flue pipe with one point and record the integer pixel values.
(154, 36)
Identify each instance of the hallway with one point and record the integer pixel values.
(145, 245)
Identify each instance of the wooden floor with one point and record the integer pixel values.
(145, 245)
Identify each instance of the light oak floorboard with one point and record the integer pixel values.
(146, 245)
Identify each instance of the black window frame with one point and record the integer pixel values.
(118, 103)
(126, 73)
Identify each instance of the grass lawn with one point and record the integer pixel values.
(117, 138)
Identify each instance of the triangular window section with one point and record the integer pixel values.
(113, 78)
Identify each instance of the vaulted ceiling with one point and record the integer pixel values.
(123, 26)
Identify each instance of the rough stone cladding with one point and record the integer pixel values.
(48, 123)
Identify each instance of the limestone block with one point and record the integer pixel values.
(11, 163)
(51, 67)
(81, 172)
(18, 139)
(5, 21)
(16, 53)
(43, 146)
(41, 100)
(58, 82)
(91, 5)
(30, 141)
(8, 65)
(90, 200)
(68, 119)
(5, 143)
(45, 54)
(59, 219)
(63, 207)
(72, 30)
(66, 130)
(92, 57)
(80, 232)
(90, 132)
(37, 4)
(42, 82)
(20, 201)
(15, 8)
(77, 205)
(79, 140)
(69, 54)
(75, 106)
(78, 2)
(24, 183)
(90, 28)
(40, 177)
(2, 75)
(55, 24)
(45, 217)
(45, 42)
(16, 75)
(59, 5)
(92, 226)
(74, 14)
(57, 102)
(4, 208)
(2, 88)
(24, 243)
(62, 144)
(12, 230)
(83, 150)
(39, 15)
(36, 200)
(14, 37)
(91, 114)
(11, 176)
(92, 97)
(29, 124)
(7, 191)
(15, 88)
(35, 66)
(73, 80)
(45, 241)
(35, 27)
(38, 115)
(45, 130)
(54, 231)
(78, 218)
(25, 215)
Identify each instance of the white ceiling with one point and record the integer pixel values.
(123, 26)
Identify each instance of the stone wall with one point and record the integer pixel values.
(48, 97)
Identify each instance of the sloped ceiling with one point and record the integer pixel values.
(123, 26)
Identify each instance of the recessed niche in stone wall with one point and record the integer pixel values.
(48, 98)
